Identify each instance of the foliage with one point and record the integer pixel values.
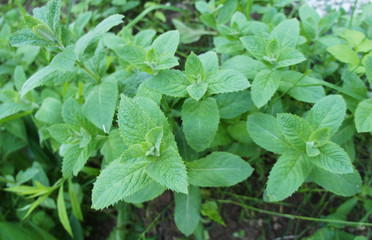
(88, 97)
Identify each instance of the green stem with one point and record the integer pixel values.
(248, 9)
(152, 8)
(340, 89)
(352, 13)
(87, 70)
(291, 216)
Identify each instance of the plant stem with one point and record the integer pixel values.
(152, 8)
(290, 216)
(68, 13)
(352, 13)
(86, 69)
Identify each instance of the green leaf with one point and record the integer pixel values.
(75, 157)
(327, 112)
(287, 175)
(197, 91)
(168, 170)
(170, 82)
(320, 136)
(292, 83)
(119, 180)
(53, 11)
(245, 65)
(26, 37)
(264, 86)
(194, 69)
(226, 11)
(255, 45)
(100, 105)
(166, 43)
(345, 185)
(36, 79)
(295, 129)
(226, 80)
(287, 33)
(210, 61)
(232, 105)
(75, 204)
(218, 169)
(9, 109)
(65, 60)
(44, 32)
(72, 112)
(186, 213)
(62, 213)
(210, 209)
(113, 148)
(312, 150)
(100, 29)
(50, 111)
(19, 77)
(147, 193)
(60, 132)
(333, 158)
(265, 132)
(368, 65)
(15, 231)
(289, 57)
(344, 54)
(363, 116)
(133, 121)
(200, 122)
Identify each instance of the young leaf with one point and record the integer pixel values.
(295, 129)
(264, 131)
(327, 112)
(170, 82)
(194, 69)
(333, 158)
(226, 80)
(134, 123)
(345, 185)
(100, 105)
(62, 213)
(187, 209)
(118, 181)
(200, 122)
(219, 169)
(264, 86)
(210, 61)
(287, 175)
(65, 60)
(197, 91)
(43, 32)
(168, 170)
(287, 33)
(363, 116)
(320, 136)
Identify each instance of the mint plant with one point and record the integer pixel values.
(306, 149)
(98, 110)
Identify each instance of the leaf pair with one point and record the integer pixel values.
(200, 115)
(305, 147)
(152, 155)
